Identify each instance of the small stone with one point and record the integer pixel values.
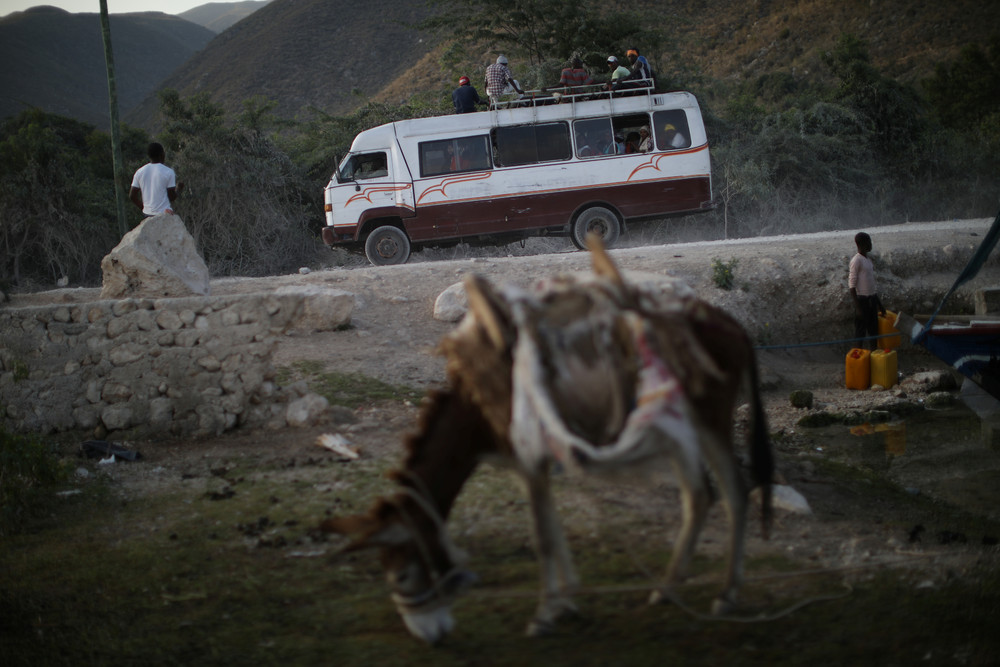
(801, 398)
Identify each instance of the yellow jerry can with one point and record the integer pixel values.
(886, 325)
(858, 369)
(883, 368)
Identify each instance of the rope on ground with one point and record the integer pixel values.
(825, 342)
(760, 618)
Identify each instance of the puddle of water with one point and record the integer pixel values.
(948, 454)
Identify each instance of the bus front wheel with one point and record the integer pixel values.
(387, 245)
(598, 220)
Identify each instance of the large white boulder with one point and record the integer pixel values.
(156, 259)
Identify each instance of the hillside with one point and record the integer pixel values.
(906, 38)
(335, 54)
(217, 16)
(303, 53)
(734, 41)
(54, 60)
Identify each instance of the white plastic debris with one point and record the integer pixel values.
(337, 444)
(107, 461)
(788, 499)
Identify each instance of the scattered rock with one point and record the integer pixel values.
(940, 399)
(337, 444)
(451, 304)
(306, 411)
(930, 381)
(801, 398)
(784, 498)
(323, 308)
(225, 494)
(156, 259)
(818, 419)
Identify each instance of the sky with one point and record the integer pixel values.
(114, 6)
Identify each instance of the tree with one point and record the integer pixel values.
(966, 93)
(543, 30)
(892, 110)
(57, 199)
(245, 203)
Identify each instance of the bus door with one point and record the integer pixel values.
(367, 188)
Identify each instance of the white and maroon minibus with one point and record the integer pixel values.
(538, 166)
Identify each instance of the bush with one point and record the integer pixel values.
(26, 466)
(723, 273)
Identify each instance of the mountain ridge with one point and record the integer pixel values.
(54, 60)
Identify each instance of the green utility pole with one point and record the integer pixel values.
(116, 144)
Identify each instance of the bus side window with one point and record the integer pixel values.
(531, 144)
(627, 127)
(364, 165)
(671, 130)
(454, 155)
(594, 138)
(372, 165)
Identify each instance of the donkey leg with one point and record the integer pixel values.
(558, 575)
(695, 501)
(734, 500)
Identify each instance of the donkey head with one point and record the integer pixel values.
(422, 567)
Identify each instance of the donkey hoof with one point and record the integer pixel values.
(539, 628)
(659, 596)
(722, 606)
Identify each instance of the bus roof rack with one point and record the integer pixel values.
(572, 94)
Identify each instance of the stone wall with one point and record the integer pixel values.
(178, 366)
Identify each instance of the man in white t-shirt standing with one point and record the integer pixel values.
(861, 284)
(155, 186)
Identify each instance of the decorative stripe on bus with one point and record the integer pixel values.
(475, 176)
(575, 188)
(370, 190)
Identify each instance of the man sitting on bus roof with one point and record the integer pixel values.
(500, 81)
(574, 76)
(618, 73)
(642, 73)
(465, 97)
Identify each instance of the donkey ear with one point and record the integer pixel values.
(603, 266)
(490, 311)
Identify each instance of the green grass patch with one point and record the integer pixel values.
(350, 390)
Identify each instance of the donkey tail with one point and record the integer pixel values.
(761, 455)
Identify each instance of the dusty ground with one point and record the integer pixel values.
(788, 290)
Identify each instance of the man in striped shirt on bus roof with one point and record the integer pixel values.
(575, 75)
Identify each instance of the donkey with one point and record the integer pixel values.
(596, 375)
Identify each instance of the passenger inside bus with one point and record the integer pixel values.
(645, 141)
(673, 138)
(672, 131)
(457, 162)
(632, 142)
(368, 165)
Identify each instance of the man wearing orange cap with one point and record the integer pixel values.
(465, 97)
(642, 73)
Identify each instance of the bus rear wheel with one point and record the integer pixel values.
(387, 245)
(598, 220)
